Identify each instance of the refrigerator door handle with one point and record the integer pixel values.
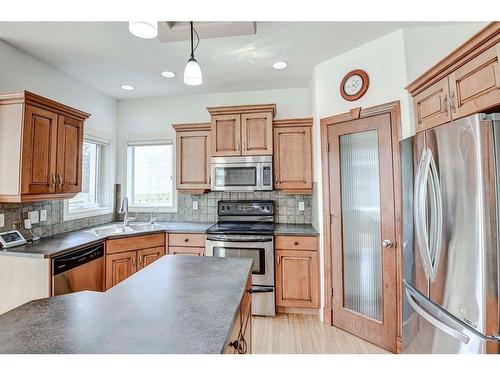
(437, 220)
(420, 213)
(433, 320)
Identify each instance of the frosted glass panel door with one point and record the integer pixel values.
(360, 196)
(362, 235)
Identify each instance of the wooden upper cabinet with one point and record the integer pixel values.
(293, 155)
(39, 151)
(475, 86)
(257, 133)
(242, 130)
(226, 134)
(465, 82)
(193, 148)
(69, 155)
(41, 148)
(432, 106)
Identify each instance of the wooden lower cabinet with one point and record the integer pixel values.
(240, 338)
(148, 256)
(119, 267)
(125, 256)
(297, 274)
(186, 244)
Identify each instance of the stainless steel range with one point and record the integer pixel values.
(245, 230)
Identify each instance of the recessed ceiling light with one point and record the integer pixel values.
(144, 29)
(168, 74)
(128, 87)
(278, 65)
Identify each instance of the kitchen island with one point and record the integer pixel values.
(179, 304)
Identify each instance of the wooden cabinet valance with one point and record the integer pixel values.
(466, 81)
(41, 145)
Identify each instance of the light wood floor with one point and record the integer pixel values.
(305, 334)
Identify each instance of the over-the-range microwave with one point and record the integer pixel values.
(242, 173)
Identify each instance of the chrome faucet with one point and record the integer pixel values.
(124, 211)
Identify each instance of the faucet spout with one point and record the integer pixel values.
(124, 211)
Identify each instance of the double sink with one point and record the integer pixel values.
(123, 229)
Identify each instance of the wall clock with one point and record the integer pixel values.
(354, 85)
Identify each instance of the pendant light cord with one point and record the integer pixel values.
(197, 39)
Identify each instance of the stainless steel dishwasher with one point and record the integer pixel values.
(79, 270)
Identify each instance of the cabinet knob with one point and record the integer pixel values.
(186, 239)
(295, 243)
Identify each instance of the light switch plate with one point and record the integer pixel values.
(195, 205)
(301, 206)
(43, 215)
(2, 220)
(33, 216)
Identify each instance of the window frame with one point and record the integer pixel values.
(104, 184)
(129, 171)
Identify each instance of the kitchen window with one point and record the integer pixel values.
(94, 199)
(150, 167)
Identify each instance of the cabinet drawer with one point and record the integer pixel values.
(186, 239)
(184, 250)
(296, 243)
(134, 243)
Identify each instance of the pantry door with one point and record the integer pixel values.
(363, 228)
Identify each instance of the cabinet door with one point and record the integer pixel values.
(193, 160)
(148, 256)
(120, 266)
(69, 155)
(293, 158)
(226, 135)
(297, 278)
(475, 86)
(39, 151)
(257, 133)
(432, 107)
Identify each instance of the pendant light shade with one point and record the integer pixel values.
(192, 71)
(144, 29)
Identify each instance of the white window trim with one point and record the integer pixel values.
(128, 177)
(95, 211)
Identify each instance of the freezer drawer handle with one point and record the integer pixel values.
(443, 327)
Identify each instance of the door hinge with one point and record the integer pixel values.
(330, 218)
(332, 292)
(328, 147)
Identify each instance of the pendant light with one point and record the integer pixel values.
(192, 72)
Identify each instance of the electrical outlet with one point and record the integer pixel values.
(43, 215)
(33, 216)
(301, 206)
(195, 205)
(2, 220)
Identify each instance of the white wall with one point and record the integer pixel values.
(151, 118)
(20, 71)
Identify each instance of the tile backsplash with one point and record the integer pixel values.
(287, 207)
(287, 211)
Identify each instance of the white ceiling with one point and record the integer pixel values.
(105, 55)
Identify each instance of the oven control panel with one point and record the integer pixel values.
(243, 208)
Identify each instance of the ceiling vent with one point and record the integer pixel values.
(173, 31)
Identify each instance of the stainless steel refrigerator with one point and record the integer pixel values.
(451, 188)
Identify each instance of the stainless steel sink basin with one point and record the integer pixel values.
(145, 226)
(112, 229)
(121, 229)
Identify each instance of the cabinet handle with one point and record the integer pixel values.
(452, 102)
(60, 180)
(279, 259)
(53, 177)
(140, 260)
(234, 344)
(445, 105)
(133, 260)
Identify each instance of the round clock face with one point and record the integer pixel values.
(353, 85)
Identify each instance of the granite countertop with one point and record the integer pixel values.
(178, 304)
(62, 243)
(295, 230)
(65, 242)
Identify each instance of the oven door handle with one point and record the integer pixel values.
(260, 290)
(239, 239)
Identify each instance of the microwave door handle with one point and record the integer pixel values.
(259, 172)
(433, 320)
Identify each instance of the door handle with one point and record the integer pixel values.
(387, 244)
(260, 290)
